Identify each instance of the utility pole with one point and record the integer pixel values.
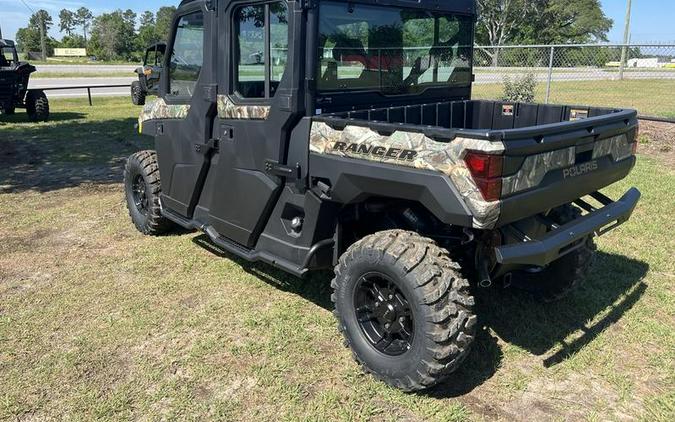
(43, 42)
(626, 40)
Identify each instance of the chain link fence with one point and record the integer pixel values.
(630, 76)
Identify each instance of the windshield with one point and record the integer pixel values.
(390, 49)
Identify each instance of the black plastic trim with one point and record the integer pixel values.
(557, 243)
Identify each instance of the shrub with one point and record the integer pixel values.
(520, 89)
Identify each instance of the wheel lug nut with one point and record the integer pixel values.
(386, 325)
(391, 296)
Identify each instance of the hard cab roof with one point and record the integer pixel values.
(461, 6)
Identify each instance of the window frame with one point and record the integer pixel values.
(267, 56)
(168, 96)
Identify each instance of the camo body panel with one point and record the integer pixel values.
(159, 109)
(536, 167)
(617, 146)
(229, 110)
(444, 157)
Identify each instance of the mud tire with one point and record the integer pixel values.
(443, 320)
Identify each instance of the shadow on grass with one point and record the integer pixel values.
(315, 287)
(21, 117)
(48, 157)
(551, 331)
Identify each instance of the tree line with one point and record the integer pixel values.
(118, 35)
(124, 35)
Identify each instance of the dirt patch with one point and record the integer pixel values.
(657, 140)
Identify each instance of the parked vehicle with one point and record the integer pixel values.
(148, 74)
(354, 144)
(14, 92)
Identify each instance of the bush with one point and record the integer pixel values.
(520, 89)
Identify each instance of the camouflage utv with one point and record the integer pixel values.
(342, 135)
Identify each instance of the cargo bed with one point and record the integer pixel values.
(542, 144)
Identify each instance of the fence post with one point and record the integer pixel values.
(624, 58)
(89, 95)
(550, 75)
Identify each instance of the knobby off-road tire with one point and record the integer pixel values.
(562, 276)
(37, 106)
(137, 93)
(412, 273)
(142, 189)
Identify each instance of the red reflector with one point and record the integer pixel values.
(491, 189)
(486, 171)
(634, 147)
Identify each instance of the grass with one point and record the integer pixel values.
(99, 322)
(648, 96)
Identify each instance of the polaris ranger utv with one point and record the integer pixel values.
(14, 92)
(354, 144)
(148, 74)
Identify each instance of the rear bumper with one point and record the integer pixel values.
(565, 239)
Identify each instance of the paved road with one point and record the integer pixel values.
(102, 69)
(483, 76)
(65, 82)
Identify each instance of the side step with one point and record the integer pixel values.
(235, 248)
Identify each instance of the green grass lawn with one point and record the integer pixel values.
(650, 97)
(100, 322)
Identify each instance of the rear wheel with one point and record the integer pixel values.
(403, 308)
(560, 277)
(37, 106)
(142, 188)
(137, 93)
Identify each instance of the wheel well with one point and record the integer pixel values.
(375, 214)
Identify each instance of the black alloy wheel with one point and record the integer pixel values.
(138, 189)
(384, 314)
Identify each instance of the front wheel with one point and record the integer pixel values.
(37, 106)
(137, 93)
(403, 308)
(142, 189)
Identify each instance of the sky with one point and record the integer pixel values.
(652, 20)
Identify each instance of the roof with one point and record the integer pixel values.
(6, 43)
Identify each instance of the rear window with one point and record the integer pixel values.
(391, 49)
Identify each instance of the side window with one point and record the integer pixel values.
(261, 49)
(187, 56)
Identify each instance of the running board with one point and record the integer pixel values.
(235, 248)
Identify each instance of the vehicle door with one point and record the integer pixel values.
(185, 108)
(254, 115)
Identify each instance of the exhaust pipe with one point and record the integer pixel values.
(484, 279)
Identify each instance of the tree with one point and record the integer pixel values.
(112, 35)
(66, 21)
(567, 21)
(147, 32)
(83, 18)
(499, 20)
(163, 22)
(33, 37)
(540, 22)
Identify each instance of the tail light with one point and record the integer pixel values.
(486, 171)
